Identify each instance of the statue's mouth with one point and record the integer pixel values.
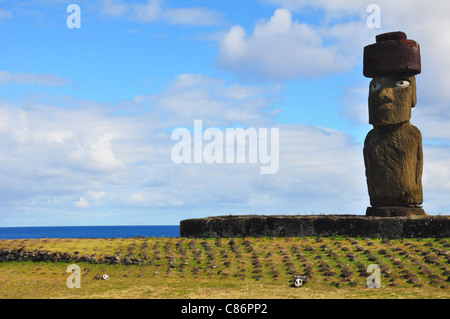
(385, 104)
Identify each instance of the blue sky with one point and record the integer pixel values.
(86, 113)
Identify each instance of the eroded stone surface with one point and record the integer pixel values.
(316, 225)
(393, 157)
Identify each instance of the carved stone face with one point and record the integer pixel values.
(391, 98)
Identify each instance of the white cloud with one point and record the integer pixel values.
(52, 152)
(102, 153)
(13, 123)
(198, 97)
(97, 195)
(137, 197)
(82, 203)
(155, 199)
(59, 136)
(280, 49)
(46, 144)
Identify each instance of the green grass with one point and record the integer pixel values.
(232, 268)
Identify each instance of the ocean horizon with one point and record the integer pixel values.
(36, 232)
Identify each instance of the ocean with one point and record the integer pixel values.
(89, 232)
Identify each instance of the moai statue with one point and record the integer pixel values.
(393, 148)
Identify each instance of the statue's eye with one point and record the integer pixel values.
(375, 87)
(402, 84)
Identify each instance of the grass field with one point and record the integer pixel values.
(230, 268)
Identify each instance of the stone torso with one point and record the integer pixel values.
(394, 159)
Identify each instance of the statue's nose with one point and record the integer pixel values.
(386, 94)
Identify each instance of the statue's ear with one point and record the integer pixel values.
(414, 91)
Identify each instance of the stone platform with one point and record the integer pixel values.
(316, 225)
(394, 211)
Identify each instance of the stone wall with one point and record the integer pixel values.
(317, 225)
(37, 255)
